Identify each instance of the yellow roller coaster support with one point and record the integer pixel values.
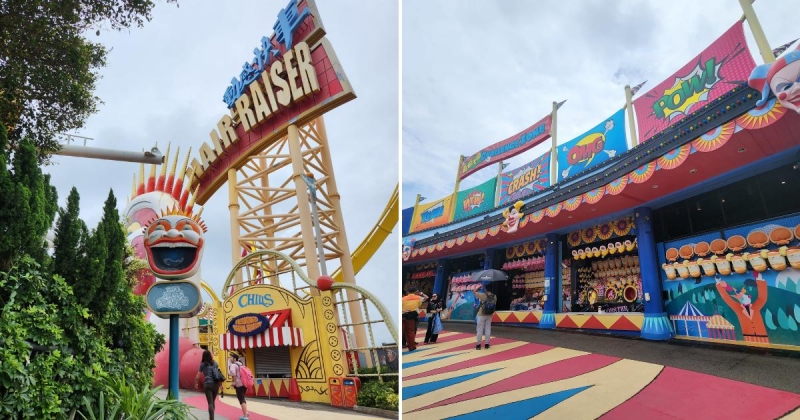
(376, 236)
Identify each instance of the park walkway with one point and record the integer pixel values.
(549, 374)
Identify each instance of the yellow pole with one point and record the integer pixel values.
(554, 147)
(303, 204)
(497, 186)
(233, 207)
(634, 140)
(758, 32)
(348, 272)
(455, 190)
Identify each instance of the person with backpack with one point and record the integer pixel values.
(485, 311)
(242, 379)
(212, 382)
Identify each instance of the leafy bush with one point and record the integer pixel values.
(126, 401)
(379, 395)
(51, 358)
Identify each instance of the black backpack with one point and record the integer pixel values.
(490, 305)
(216, 374)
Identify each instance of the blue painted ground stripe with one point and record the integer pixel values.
(424, 361)
(417, 390)
(520, 410)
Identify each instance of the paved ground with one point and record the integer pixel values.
(228, 408)
(551, 374)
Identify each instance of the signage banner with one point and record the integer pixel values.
(175, 297)
(248, 325)
(723, 65)
(526, 180)
(512, 146)
(476, 199)
(432, 214)
(595, 146)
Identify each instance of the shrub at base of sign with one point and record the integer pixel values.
(376, 394)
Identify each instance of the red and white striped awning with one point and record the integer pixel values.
(278, 334)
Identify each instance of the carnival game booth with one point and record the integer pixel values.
(286, 341)
(702, 209)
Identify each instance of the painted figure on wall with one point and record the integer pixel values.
(513, 216)
(781, 77)
(747, 310)
(408, 246)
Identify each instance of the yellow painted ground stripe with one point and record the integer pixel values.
(423, 354)
(457, 359)
(507, 368)
(610, 386)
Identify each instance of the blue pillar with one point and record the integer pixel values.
(656, 325)
(548, 320)
(440, 282)
(174, 339)
(488, 259)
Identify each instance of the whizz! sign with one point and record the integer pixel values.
(292, 78)
(507, 148)
(720, 67)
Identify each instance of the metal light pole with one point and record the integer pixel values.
(312, 191)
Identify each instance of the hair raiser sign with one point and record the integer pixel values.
(292, 78)
(720, 67)
(507, 148)
(248, 325)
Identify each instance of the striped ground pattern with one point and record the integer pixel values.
(520, 380)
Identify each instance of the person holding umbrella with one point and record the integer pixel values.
(485, 311)
(488, 303)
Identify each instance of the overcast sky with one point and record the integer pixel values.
(164, 83)
(475, 73)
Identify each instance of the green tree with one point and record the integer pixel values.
(111, 235)
(68, 244)
(25, 214)
(48, 69)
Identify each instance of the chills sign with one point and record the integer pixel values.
(526, 180)
(595, 146)
(722, 66)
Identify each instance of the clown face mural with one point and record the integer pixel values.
(139, 212)
(513, 216)
(174, 245)
(781, 77)
(408, 246)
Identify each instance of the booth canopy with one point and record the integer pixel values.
(279, 333)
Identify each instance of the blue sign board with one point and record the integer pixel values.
(178, 297)
(595, 146)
